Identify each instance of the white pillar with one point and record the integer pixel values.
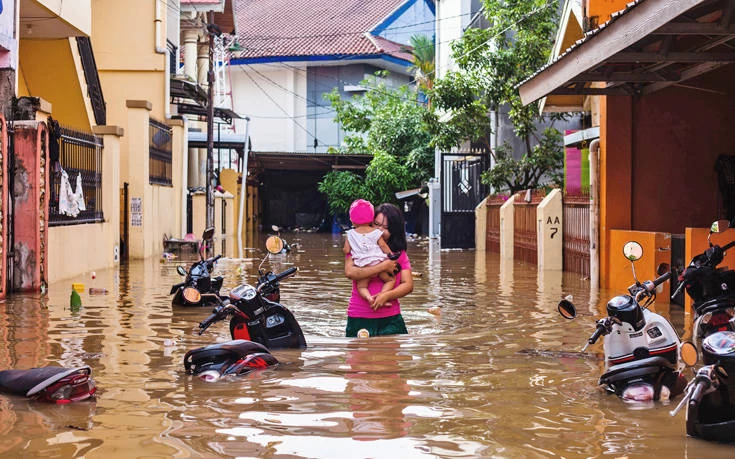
(549, 240)
(507, 227)
(191, 37)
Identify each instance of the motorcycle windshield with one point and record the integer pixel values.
(198, 271)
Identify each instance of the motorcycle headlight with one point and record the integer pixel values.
(192, 295)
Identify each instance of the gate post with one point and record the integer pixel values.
(30, 206)
(550, 242)
(507, 228)
(3, 206)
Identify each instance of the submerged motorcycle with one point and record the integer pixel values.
(258, 323)
(50, 384)
(710, 395)
(643, 353)
(198, 277)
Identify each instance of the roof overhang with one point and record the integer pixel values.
(650, 45)
(189, 98)
(302, 161)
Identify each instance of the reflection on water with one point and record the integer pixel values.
(496, 373)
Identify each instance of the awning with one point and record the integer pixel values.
(224, 140)
(191, 99)
(650, 45)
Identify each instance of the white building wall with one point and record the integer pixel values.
(452, 16)
(274, 97)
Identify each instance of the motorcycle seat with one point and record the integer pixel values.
(635, 369)
(30, 382)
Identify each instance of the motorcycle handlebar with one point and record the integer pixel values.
(698, 392)
(213, 260)
(661, 279)
(208, 321)
(285, 273)
(596, 335)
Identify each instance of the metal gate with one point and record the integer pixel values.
(461, 192)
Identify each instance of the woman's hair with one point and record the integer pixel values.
(396, 226)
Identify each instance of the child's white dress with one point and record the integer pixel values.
(365, 248)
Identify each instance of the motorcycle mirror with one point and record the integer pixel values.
(719, 226)
(567, 309)
(274, 244)
(662, 269)
(275, 228)
(181, 270)
(633, 251)
(208, 234)
(688, 353)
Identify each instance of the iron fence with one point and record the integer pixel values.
(577, 233)
(159, 153)
(80, 153)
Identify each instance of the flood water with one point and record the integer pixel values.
(496, 374)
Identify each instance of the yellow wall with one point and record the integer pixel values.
(48, 69)
(74, 251)
(124, 45)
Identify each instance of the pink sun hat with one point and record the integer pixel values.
(361, 212)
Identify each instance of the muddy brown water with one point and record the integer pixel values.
(496, 374)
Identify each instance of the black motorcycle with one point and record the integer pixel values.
(50, 384)
(198, 277)
(258, 324)
(711, 289)
(710, 395)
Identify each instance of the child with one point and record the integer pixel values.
(367, 246)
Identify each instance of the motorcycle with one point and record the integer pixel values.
(50, 384)
(198, 277)
(710, 396)
(643, 353)
(258, 324)
(711, 289)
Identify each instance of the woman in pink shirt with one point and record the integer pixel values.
(382, 316)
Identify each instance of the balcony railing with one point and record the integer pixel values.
(79, 153)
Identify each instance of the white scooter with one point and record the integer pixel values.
(643, 354)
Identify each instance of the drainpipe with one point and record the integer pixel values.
(243, 186)
(184, 175)
(158, 21)
(594, 215)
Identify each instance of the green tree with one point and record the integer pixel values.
(423, 51)
(386, 123)
(492, 62)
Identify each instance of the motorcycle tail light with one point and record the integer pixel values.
(718, 319)
(72, 388)
(192, 295)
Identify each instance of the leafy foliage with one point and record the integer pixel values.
(388, 124)
(492, 62)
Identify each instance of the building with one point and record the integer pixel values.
(290, 54)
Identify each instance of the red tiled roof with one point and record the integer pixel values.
(280, 28)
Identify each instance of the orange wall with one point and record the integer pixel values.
(678, 134)
(615, 174)
(657, 157)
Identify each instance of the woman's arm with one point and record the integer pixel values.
(399, 291)
(356, 273)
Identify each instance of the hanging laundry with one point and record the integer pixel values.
(68, 203)
(79, 194)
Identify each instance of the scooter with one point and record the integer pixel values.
(50, 384)
(710, 395)
(199, 277)
(643, 353)
(257, 325)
